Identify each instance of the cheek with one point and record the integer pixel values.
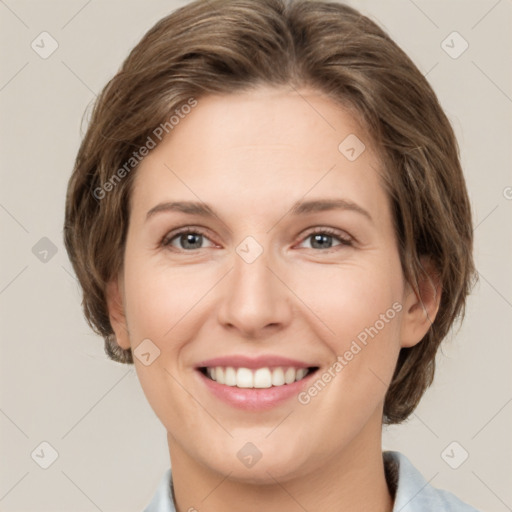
(160, 297)
(162, 306)
(359, 316)
(348, 299)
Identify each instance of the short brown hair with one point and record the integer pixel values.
(227, 46)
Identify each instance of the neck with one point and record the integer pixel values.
(352, 480)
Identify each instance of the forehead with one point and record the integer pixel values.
(253, 147)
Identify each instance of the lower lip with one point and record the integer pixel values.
(255, 399)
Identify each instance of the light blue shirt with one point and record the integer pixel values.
(413, 492)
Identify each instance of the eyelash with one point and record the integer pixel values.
(344, 241)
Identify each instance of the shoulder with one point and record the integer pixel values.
(413, 493)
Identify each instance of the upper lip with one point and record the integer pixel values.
(263, 361)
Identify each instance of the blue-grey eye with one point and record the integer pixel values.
(188, 240)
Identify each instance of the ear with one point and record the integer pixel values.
(420, 310)
(114, 297)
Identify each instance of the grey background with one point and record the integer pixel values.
(58, 386)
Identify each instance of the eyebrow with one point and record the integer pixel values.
(298, 208)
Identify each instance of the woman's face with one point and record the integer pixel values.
(297, 267)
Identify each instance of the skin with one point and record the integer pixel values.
(251, 156)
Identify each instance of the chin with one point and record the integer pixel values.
(246, 464)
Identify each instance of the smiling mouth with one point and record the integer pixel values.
(260, 378)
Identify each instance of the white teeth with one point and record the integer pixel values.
(277, 377)
(260, 378)
(289, 375)
(229, 377)
(301, 373)
(244, 378)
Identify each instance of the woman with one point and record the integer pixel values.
(268, 218)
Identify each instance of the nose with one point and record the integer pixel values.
(255, 298)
